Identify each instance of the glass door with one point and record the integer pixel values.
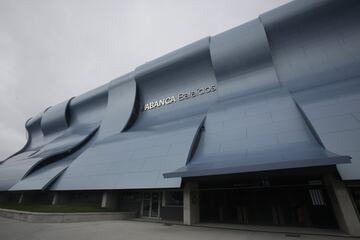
(145, 210)
(150, 205)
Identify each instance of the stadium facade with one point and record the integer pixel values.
(257, 125)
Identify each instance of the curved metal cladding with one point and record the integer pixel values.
(242, 61)
(120, 107)
(121, 96)
(16, 167)
(55, 119)
(133, 159)
(178, 73)
(255, 125)
(43, 175)
(315, 46)
(314, 43)
(131, 154)
(83, 115)
(58, 132)
(277, 92)
(256, 133)
(34, 137)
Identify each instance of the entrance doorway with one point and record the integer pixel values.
(307, 207)
(150, 205)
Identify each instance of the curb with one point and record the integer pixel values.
(37, 217)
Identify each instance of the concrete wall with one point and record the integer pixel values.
(64, 217)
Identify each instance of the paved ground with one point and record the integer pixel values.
(129, 230)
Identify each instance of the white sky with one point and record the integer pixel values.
(51, 50)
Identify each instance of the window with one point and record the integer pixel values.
(317, 198)
(172, 199)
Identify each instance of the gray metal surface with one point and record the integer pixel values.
(315, 46)
(287, 96)
(297, 155)
(42, 178)
(314, 43)
(120, 106)
(53, 142)
(159, 140)
(135, 159)
(334, 111)
(55, 119)
(256, 133)
(19, 166)
(185, 69)
(243, 67)
(15, 168)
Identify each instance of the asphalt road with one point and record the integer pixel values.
(129, 230)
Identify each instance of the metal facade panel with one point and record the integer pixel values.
(291, 156)
(55, 119)
(314, 42)
(133, 159)
(242, 136)
(120, 106)
(186, 69)
(14, 169)
(50, 140)
(46, 126)
(333, 112)
(17, 167)
(90, 107)
(243, 67)
(184, 55)
(35, 137)
(85, 119)
(41, 178)
(70, 139)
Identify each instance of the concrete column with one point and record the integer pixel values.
(60, 198)
(191, 203)
(21, 198)
(55, 199)
(110, 199)
(343, 205)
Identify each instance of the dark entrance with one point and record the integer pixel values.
(284, 207)
(283, 201)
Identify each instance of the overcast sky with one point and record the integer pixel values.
(53, 50)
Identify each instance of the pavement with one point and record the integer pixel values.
(133, 230)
